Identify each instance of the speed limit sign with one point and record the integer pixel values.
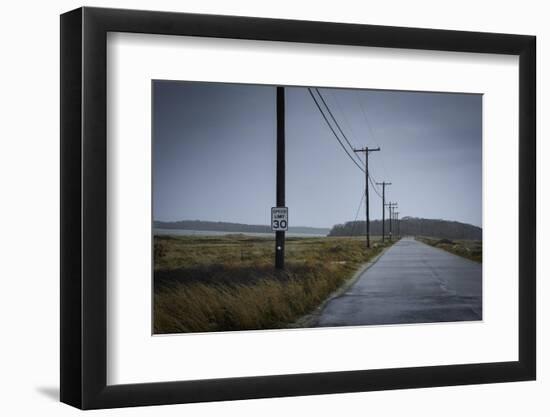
(279, 219)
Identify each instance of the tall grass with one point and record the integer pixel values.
(469, 249)
(226, 283)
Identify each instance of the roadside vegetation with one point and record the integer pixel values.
(470, 249)
(224, 283)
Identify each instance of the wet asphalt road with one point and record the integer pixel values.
(410, 283)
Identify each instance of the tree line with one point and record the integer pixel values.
(412, 226)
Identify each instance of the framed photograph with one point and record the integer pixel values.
(257, 208)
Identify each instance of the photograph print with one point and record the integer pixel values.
(284, 207)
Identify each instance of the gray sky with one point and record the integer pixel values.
(214, 153)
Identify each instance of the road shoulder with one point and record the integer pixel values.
(311, 319)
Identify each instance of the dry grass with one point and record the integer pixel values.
(225, 283)
(469, 249)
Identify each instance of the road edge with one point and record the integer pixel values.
(311, 319)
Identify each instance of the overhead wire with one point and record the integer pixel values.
(343, 146)
(310, 90)
(374, 186)
(354, 160)
(361, 105)
(369, 127)
(334, 132)
(346, 121)
(334, 119)
(357, 214)
(373, 182)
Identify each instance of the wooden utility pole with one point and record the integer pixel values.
(391, 206)
(367, 150)
(398, 224)
(383, 184)
(280, 235)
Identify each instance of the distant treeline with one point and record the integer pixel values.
(233, 227)
(412, 226)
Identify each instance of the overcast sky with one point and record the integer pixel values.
(214, 149)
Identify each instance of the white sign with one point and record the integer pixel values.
(279, 219)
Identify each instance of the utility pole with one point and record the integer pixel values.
(391, 206)
(383, 184)
(398, 224)
(366, 150)
(280, 235)
(395, 220)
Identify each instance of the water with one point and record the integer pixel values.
(185, 232)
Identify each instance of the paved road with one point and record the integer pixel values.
(410, 283)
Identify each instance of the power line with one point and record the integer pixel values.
(369, 178)
(374, 139)
(398, 224)
(369, 127)
(366, 118)
(347, 122)
(333, 118)
(374, 186)
(357, 214)
(334, 133)
(373, 182)
(391, 207)
(372, 175)
(366, 151)
(383, 184)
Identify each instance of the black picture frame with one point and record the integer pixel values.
(84, 207)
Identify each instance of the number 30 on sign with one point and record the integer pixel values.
(279, 219)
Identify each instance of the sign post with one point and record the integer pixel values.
(280, 197)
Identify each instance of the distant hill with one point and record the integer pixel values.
(233, 227)
(412, 226)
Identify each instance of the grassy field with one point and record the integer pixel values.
(470, 249)
(223, 283)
